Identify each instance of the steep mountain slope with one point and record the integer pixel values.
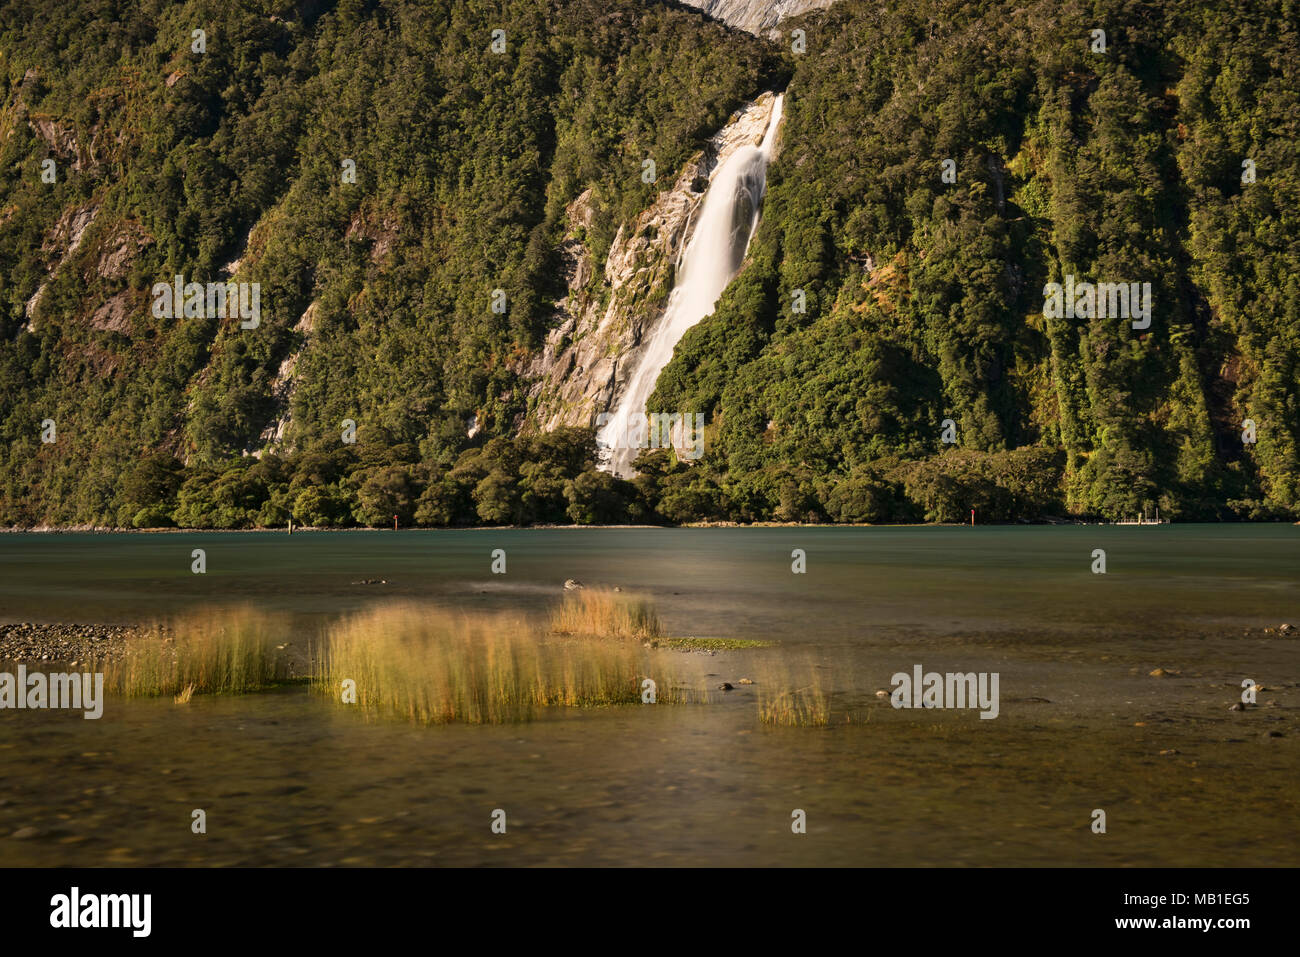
(925, 297)
(407, 301)
(888, 351)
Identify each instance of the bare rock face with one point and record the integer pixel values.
(380, 231)
(112, 250)
(588, 357)
(114, 315)
(61, 245)
(285, 382)
(60, 138)
(120, 249)
(59, 135)
(68, 232)
(756, 16)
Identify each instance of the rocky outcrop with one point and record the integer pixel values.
(120, 249)
(589, 354)
(63, 242)
(60, 138)
(110, 257)
(380, 231)
(59, 135)
(756, 16)
(284, 383)
(115, 314)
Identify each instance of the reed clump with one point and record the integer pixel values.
(798, 695)
(602, 613)
(219, 651)
(431, 666)
(806, 707)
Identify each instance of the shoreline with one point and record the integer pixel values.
(110, 530)
(31, 642)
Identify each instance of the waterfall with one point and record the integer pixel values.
(727, 220)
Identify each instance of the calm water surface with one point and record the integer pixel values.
(287, 779)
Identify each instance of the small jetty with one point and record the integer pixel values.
(1144, 519)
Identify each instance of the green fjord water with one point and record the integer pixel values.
(288, 779)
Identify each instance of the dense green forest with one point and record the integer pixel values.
(925, 298)
(924, 293)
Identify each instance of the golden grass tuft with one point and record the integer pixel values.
(806, 707)
(418, 662)
(218, 651)
(798, 695)
(430, 666)
(603, 613)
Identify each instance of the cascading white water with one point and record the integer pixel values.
(728, 218)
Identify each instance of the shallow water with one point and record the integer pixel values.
(288, 778)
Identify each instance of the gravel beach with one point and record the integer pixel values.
(43, 641)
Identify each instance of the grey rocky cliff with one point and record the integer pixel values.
(756, 16)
